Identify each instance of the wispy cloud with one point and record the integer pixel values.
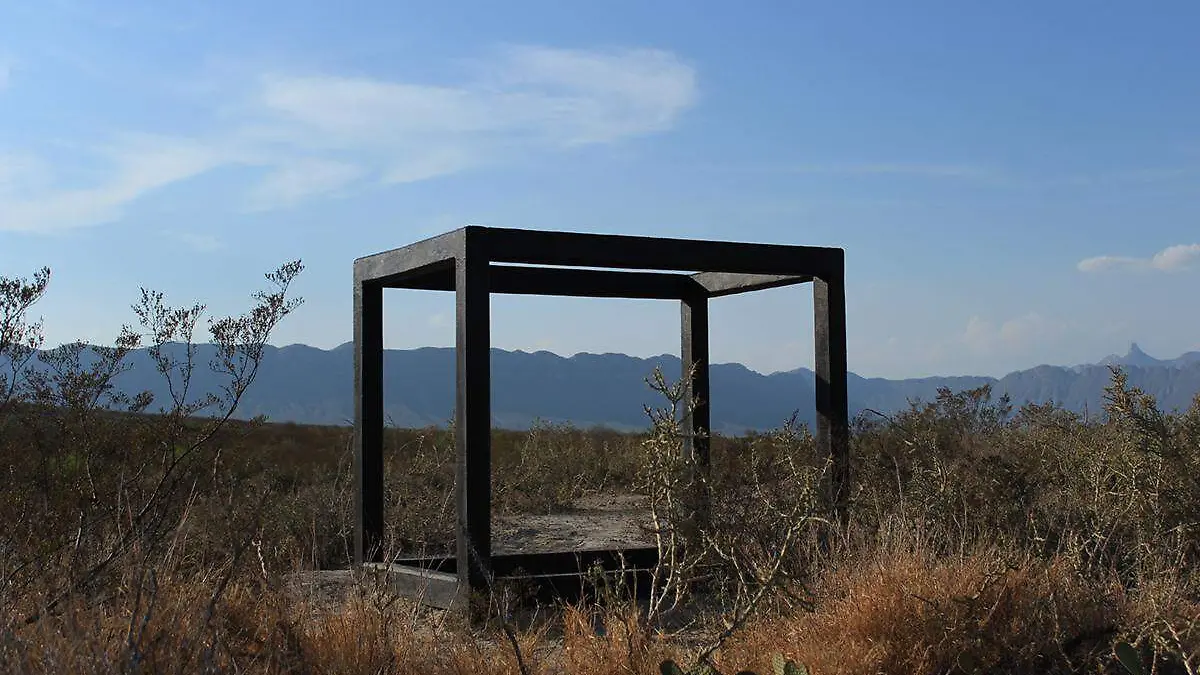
(528, 99)
(320, 135)
(1142, 176)
(21, 172)
(593, 97)
(301, 179)
(5, 74)
(136, 164)
(201, 243)
(985, 337)
(897, 168)
(930, 170)
(1171, 259)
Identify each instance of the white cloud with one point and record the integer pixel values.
(5, 74)
(295, 181)
(527, 99)
(1171, 259)
(21, 172)
(983, 336)
(1178, 257)
(1106, 262)
(937, 171)
(588, 97)
(319, 135)
(137, 164)
(899, 169)
(436, 162)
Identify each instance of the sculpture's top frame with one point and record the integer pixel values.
(712, 268)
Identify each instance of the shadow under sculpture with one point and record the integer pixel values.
(476, 261)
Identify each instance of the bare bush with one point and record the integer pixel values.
(155, 533)
(126, 485)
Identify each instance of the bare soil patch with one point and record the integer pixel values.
(597, 521)
(594, 521)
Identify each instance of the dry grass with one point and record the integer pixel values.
(919, 584)
(982, 539)
(895, 608)
(899, 609)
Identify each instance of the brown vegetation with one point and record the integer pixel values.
(981, 539)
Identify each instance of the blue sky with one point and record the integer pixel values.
(1014, 185)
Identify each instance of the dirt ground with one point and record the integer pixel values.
(602, 521)
(599, 521)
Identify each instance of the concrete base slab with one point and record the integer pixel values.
(429, 587)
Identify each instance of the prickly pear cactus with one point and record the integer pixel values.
(1129, 658)
(787, 666)
(669, 667)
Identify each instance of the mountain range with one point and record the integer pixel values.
(307, 385)
(1139, 358)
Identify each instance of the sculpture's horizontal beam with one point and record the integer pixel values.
(519, 280)
(724, 283)
(546, 563)
(574, 249)
(516, 280)
(588, 283)
(414, 260)
(656, 253)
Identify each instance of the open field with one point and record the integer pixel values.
(978, 542)
(979, 538)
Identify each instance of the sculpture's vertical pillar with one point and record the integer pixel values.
(368, 420)
(473, 423)
(694, 354)
(833, 424)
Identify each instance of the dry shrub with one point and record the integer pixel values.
(622, 645)
(1163, 623)
(173, 624)
(983, 541)
(548, 467)
(903, 610)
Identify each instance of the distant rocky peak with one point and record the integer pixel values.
(1134, 357)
